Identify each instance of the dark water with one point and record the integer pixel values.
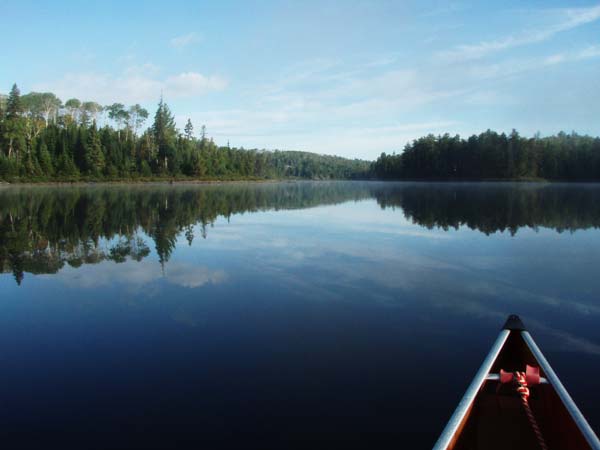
(319, 314)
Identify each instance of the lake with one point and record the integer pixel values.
(320, 312)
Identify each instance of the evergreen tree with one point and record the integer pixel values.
(14, 125)
(66, 166)
(165, 135)
(79, 149)
(189, 130)
(14, 106)
(30, 166)
(45, 159)
(94, 157)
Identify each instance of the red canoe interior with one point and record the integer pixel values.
(497, 419)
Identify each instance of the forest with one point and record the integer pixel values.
(494, 156)
(44, 139)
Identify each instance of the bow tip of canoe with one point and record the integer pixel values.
(514, 323)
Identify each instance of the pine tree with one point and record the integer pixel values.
(13, 129)
(94, 156)
(79, 148)
(66, 166)
(189, 130)
(30, 166)
(14, 106)
(45, 159)
(165, 135)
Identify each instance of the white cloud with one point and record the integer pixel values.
(192, 83)
(328, 106)
(136, 275)
(135, 84)
(193, 276)
(182, 41)
(570, 18)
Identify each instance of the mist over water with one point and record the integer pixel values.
(318, 310)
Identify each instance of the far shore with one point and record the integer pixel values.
(142, 182)
(224, 181)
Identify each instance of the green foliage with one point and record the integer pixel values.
(45, 159)
(14, 107)
(94, 157)
(165, 135)
(145, 169)
(66, 168)
(136, 117)
(89, 112)
(189, 130)
(41, 106)
(495, 156)
(3, 99)
(72, 106)
(30, 167)
(40, 140)
(8, 167)
(119, 115)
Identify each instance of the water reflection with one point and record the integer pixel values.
(43, 229)
(494, 207)
(288, 306)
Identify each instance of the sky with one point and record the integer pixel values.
(347, 77)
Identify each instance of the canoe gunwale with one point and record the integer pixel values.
(564, 396)
(458, 419)
(468, 398)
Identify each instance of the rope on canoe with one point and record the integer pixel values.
(523, 391)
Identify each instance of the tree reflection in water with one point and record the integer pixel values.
(42, 228)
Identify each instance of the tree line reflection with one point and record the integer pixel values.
(496, 207)
(42, 229)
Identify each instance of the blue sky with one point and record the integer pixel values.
(353, 78)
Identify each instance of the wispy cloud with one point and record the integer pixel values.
(339, 102)
(185, 40)
(192, 84)
(134, 84)
(593, 51)
(512, 67)
(136, 275)
(570, 19)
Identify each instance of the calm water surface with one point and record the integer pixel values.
(147, 315)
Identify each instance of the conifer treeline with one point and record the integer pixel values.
(43, 139)
(490, 155)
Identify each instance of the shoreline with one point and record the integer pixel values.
(82, 183)
(208, 182)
